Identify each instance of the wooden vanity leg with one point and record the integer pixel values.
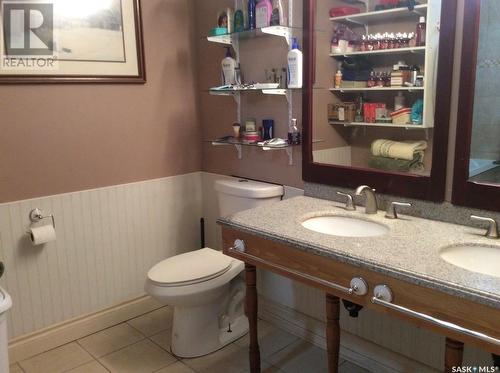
(454, 354)
(251, 309)
(333, 332)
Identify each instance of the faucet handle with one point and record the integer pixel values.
(350, 206)
(493, 226)
(392, 211)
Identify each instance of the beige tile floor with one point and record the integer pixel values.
(142, 345)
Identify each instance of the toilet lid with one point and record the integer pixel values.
(190, 268)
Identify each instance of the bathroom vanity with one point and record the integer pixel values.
(401, 267)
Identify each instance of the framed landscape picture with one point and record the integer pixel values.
(69, 41)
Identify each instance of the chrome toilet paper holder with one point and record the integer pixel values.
(36, 216)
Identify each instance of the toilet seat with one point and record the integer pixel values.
(190, 268)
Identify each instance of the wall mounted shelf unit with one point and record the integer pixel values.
(234, 39)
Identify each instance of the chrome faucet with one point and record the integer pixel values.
(493, 226)
(371, 199)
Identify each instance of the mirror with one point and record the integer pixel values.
(477, 160)
(379, 96)
(484, 162)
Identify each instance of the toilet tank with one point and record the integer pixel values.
(238, 195)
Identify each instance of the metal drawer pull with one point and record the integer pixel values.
(358, 285)
(383, 297)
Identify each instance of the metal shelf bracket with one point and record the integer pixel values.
(284, 32)
(239, 149)
(289, 152)
(224, 39)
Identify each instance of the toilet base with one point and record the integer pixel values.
(238, 329)
(197, 331)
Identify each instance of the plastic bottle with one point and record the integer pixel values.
(294, 137)
(228, 68)
(338, 79)
(279, 16)
(371, 80)
(415, 71)
(399, 101)
(387, 79)
(239, 17)
(263, 12)
(359, 109)
(421, 32)
(251, 14)
(245, 13)
(295, 66)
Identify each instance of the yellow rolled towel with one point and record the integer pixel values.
(398, 150)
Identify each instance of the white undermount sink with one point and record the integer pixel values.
(476, 258)
(344, 226)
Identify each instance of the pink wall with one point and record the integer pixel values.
(57, 139)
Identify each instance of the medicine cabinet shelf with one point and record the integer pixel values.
(232, 38)
(374, 89)
(386, 125)
(381, 15)
(394, 51)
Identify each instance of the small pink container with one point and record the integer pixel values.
(252, 137)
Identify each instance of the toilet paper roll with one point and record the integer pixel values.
(42, 235)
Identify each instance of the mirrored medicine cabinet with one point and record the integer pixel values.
(377, 91)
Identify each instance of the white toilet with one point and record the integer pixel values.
(5, 305)
(203, 286)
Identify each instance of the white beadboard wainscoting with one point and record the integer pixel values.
(413, 345)
(107, 240)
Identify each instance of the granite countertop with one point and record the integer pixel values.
(410, 251)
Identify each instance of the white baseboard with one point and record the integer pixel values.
(357, 350)
(47, 339)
